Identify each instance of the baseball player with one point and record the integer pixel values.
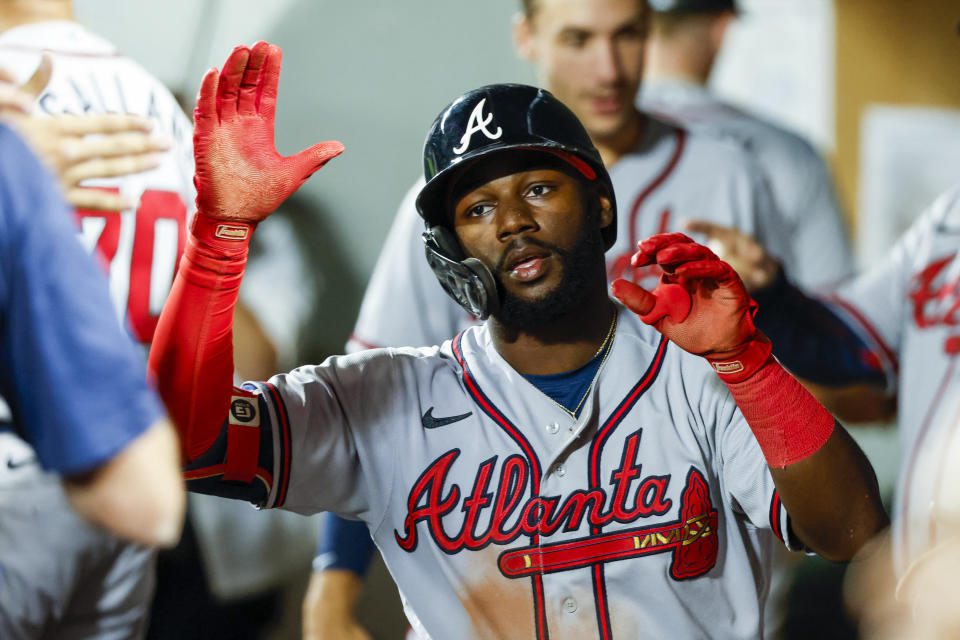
(590, 55)
(685, 38)
(563, 469)
(107, 437)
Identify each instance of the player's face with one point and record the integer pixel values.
(589, 54)
(539, 234)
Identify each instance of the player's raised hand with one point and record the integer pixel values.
(700, 303)
(240, 176)
(741, 251)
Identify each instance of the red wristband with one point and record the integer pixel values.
(221, 234)
(787, 421)
(741, 366)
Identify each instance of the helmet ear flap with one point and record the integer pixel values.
(466, 280)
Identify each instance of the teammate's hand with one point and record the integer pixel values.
(240, 176)
(752, 263)
(14, 99)
(700, 303)
(80, 148)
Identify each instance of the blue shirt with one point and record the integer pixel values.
(74, 379)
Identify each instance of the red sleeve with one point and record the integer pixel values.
(192, 352)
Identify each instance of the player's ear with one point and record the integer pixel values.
(606, 211)
(523, 36)
(719, 27)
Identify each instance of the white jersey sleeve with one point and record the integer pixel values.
(876, 304)
(404, 304)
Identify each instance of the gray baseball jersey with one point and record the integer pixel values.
(799, 179)
(906, 308)
(672, 175)
(499, 515)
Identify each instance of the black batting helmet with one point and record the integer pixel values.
(495, 119)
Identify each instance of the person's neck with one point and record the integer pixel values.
(565, 344)
(616, 146)
(14, 13)
(676, 63)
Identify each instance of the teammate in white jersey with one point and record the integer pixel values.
(563, 469)
(686, 37)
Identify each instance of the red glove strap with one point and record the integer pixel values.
(740, 366)
(788, 422)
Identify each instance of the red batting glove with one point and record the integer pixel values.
(240, 177)
(700, 304)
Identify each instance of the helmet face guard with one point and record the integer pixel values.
(479, 125)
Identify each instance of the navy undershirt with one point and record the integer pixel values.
(568, 387)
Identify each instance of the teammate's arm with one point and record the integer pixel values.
(138, 494)
(240, 180)
(823, 478)
(344, 552)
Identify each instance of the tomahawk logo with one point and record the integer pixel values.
(477, 123)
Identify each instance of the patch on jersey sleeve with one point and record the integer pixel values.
(243, 411)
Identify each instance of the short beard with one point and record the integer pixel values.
(579, 266)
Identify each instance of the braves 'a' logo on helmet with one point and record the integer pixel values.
(477, 123)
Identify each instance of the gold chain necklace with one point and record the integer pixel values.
(603, 347)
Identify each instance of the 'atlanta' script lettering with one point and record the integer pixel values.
(935, 303)
(506, 511)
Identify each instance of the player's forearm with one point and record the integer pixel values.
(139, 495)
(192, 352)
(832, 498)
(824, 480)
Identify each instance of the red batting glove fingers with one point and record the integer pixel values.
(647, 249)
(667, 301)
(676, 254)
(267, 91)
(711, 269)
(231, 76)
(787, 421)
(205, 111)
(633, 296)
(252, 79)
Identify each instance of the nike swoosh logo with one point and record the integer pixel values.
(429, 422)
(16, 464)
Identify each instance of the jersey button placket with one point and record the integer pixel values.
(553, 428)
(570, 605)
